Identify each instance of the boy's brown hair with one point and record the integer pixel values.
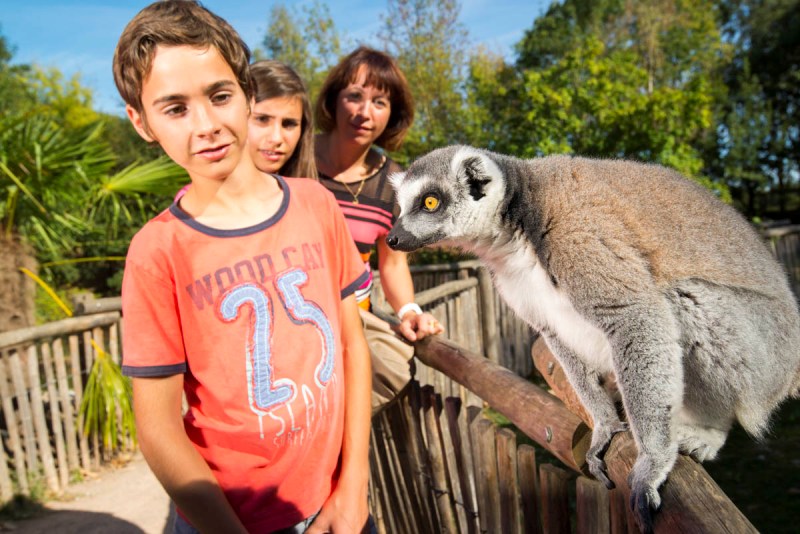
(174, 23)
(382, 73)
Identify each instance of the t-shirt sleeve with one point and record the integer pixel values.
(352, 271)
(152, 340)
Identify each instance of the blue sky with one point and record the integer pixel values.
(79, 36)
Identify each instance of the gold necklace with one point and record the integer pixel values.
(360, 187)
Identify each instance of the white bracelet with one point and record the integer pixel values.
(411, 306)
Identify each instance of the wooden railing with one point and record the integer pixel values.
(43, 371)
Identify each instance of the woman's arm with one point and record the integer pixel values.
(399, 291)
(184, 474)
(346, 510)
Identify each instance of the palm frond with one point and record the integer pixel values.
(106, 406)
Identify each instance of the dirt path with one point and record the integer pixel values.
(125, 500)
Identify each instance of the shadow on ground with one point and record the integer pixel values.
(41, 520)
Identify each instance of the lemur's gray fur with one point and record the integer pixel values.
(629, 268)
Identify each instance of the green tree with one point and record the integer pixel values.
(60, 195)
(304, 38)
(429, 43)
(613, 78)
(766, 34)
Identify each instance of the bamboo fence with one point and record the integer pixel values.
(43, 371)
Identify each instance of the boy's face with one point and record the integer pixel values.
(193, 107)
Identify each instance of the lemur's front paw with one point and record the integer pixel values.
(645, 500)
(601, 439)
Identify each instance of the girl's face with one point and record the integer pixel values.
(362, 112)
(274, 130)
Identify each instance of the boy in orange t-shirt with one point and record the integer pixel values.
(241, 295)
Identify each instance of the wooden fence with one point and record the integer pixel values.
(438, 464)
(43, 371)
(784, 242)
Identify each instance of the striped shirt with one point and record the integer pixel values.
(370, 216)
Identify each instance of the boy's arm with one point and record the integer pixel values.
(346, 509)
(173, 459)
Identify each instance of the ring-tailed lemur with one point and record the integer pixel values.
(627, 268)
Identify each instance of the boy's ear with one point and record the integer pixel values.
(139, 124)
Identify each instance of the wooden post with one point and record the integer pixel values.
(477, 428)
(488, 471)
(420, 465)
(56, 427)
(6, 489)
(461, 463)
(508, 488)
(553, 373)
(40, 422)
(379, 482)
(441, 489)
(529, 489)
(448, 424)
(24, 407)
(66, 404)
(77, 388)
(554, 483)
(592, 507)
(488, 317)
(13, 431)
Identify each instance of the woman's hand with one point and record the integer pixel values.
(415, 326)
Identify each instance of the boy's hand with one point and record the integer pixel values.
(415, 327)
(345, 512)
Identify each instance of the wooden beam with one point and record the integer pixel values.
(534, 411)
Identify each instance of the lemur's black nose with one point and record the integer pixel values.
(392, 240)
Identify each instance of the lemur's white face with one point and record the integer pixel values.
(450, 194)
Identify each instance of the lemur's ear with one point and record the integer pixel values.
(473, 173)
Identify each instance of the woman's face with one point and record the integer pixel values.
(362, 112)
(274, 130)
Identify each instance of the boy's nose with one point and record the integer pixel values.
(205, 121)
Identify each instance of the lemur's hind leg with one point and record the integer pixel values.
(700, 443)
(594, 397)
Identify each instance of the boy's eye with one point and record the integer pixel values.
(221, 98)
(431, 203)
(175, 110)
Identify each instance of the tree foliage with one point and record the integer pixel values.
(63, 190)
(304, 38)
(429, 43)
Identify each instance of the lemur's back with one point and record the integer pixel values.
(680, 227)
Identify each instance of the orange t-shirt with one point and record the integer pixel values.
(251, 316)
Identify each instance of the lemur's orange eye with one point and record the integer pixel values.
(431, 203)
